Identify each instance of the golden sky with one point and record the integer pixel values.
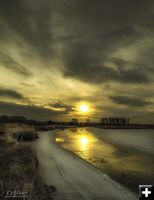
(56, 55)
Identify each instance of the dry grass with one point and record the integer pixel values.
(2, 129)
(21, 132)
(25, 135)
(19, 170)
(17, 127)
(19, 165)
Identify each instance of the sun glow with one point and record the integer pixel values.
(84, 108)
(83, 143)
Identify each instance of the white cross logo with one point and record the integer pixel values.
(146, 192)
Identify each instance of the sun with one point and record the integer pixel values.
(83, 108)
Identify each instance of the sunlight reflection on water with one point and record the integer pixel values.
(85, 144)
(124, 164)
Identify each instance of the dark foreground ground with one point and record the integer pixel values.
(19, 167)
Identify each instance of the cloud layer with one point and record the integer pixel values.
(130, 101)
(10, 93)
(57, 51)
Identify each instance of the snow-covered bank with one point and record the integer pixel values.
(73, 177)
(142, 140)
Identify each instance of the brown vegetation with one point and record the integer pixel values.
(19, 164)
(25, 135)
(19, 170)
(20, 132)
(2, 129)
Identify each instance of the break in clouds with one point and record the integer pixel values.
(53, 52)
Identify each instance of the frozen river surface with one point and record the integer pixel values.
(125, 155)
(73, 177)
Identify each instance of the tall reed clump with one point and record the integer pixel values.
(19, 170)
(25, 135)
(21, 132)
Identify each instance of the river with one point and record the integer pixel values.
(125, 155)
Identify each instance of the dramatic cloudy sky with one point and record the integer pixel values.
(55, 54)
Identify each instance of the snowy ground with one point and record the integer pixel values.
(74, 178)
(141, 139)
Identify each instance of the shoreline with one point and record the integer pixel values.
(74, 177)
(132, 176)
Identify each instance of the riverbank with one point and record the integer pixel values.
(19, 170)
(122, 154)
(19, 177)
(74, 178)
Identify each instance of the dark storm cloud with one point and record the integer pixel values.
(10, 93)
(93, 41)
(60, 105)
(30, 111)
(30, 21)
(130, 101)
(85, 65)
(10, 64)
(87, 31)
(99, 28)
